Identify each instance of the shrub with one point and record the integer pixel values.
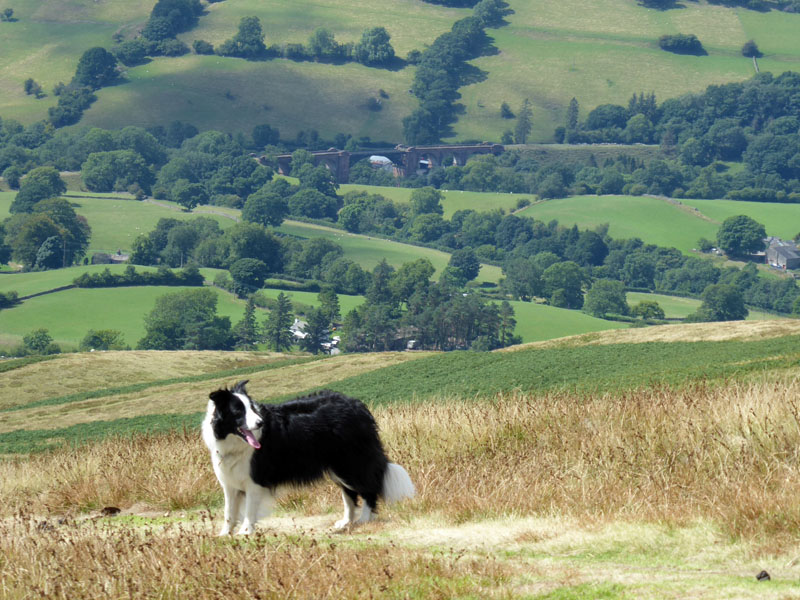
(202, 47)
(681, 44)
(102, 339)
(750, 50)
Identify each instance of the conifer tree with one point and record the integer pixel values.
(276, 329)
(523, 126)
(572, 121)
(245, 332)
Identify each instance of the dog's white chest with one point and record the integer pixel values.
(230, 457)
(232, 467)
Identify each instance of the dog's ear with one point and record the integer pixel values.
(239, 387)
(219, 395)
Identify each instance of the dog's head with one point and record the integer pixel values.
(235, 413)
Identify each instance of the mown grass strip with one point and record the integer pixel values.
(582, 370)
(17, 363)
(586, 369)
(23, 441)
(138, 387)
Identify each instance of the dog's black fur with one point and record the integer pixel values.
(304, 439)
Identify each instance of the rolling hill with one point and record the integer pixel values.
(601, 52)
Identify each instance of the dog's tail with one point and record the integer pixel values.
(397, 484)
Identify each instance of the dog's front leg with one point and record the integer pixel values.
(257, 505)
(233, 501)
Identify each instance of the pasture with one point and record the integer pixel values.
(368, 251)
(653, 220)
(69, 314)
(781, 220)
(231, 94)
(682, 486)
(548, 52)
(46, 41)
(676, 307)
(453, 199)
(410, 24)
(605, 51)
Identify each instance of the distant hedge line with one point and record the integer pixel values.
(189, 276)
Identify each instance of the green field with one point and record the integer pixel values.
(410, 23)
(116, 219)
(537, 322)
(676, 307)
(231, 94)
(653, 220)
(604, 51)
(549, 52)
(781, 220)
(369, 251)
(346, 302)
(46, 41)
(453, 199)
(106, 213)
(35, 282)
(68, 315)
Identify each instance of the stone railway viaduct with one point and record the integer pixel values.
(407, 160)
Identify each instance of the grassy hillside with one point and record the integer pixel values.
(653, 220)
(781, 220)
(595, 362)
(116, 220)
(232, 94)
(369, 251)
(68, 315)
(410, 23)
(618, 465)
(549, 52)
(46, 41)
(453, 199)
(602, 52)
(679, 308)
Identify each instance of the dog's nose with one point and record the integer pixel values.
(259, 423)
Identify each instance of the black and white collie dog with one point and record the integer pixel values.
(257, 449)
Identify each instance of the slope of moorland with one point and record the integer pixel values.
(601, 52)
(604, 362)
(618, 465)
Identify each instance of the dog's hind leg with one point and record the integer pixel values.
(233, 502)
(370, 501)
(350, 499)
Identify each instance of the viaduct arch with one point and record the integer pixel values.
(407, 159)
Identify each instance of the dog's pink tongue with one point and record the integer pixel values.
(251, 439)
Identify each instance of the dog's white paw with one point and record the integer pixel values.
(245, 530)
(341, 524)
(224, 531)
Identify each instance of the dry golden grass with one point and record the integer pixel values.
(690, 332)
(185, 562)
(187, 398)
(706, 475)
(73, 373)
(728, 453)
